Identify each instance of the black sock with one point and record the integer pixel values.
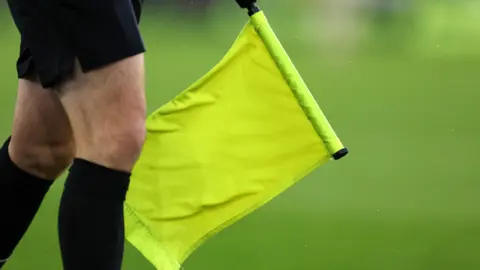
(91, 220)
(21, 195)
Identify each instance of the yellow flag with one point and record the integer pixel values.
(227, 145)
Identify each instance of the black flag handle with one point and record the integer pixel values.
(250, 5)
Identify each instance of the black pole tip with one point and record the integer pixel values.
(246, 3)
(253, 9)
(340, 154)
(250, 5)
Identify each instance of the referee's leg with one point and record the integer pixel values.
(40, 149)
(107, 111)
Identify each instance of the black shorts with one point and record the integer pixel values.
(56, 32)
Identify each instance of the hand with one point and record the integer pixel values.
(246, 3)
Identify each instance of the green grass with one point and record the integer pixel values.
(407, 197)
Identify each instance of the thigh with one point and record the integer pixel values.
(107, 111)
(40, 126)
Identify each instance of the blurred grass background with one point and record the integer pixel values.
(399, 82)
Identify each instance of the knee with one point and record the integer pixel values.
(118, 148)
(46, 160)
(127, 143)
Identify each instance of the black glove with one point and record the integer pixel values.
(246, 3)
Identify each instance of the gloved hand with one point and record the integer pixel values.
(246, 3)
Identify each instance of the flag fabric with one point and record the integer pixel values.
(235, 139)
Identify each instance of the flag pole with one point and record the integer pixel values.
(294, 80)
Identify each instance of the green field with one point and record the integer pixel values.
(408, 196)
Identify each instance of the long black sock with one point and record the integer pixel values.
(91, 220)
(21, 195)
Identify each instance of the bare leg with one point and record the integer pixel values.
(107, 110)
(42, 142)
(40, 149)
